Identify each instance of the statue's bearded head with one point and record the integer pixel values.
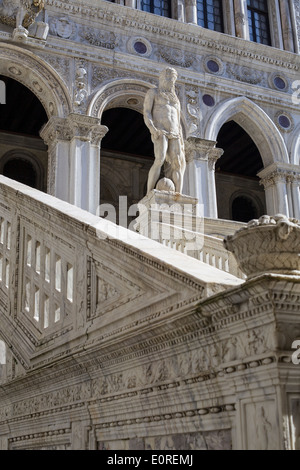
(168, 78)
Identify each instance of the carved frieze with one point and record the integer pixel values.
(247, 74)
(213, 440)
(97, 38)
(177, 57)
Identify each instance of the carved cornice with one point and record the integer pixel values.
(178, 31)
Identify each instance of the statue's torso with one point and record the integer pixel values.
(166, 111)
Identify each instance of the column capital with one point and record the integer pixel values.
(55, 129)
(279, 175)
(202, 149)
(86, 128)
(75, 126)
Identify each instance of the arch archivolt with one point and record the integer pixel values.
(126, 93)
(295, 147)
(38, 76)
(255, 122)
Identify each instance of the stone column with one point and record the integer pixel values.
(57, 135)
(281, 192)
(191, 11)
(201, 156)
(294, 25)
(289, 179)
(295, 184)
(241, 19)
(87, 133)
(130, 3)
(277, 199)
(74, 159)
(180, 10)
(228, 15)
(286, 23)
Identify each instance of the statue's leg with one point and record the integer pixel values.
(160, 151)
(20, 16)
(177, 161)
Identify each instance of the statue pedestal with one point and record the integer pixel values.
(20, 34)
(171, 219)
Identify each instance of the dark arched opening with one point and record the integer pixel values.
(244, 209)
(126, 157)
(21, 119)
(22, 171)
(240, 196)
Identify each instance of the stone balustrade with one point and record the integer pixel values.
(111, 335)
(64, 271)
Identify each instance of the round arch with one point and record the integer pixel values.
(126, 93)
(248, 195)
(255, 122)
(38, 76)
(26, 156)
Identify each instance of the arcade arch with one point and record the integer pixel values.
(265, 136)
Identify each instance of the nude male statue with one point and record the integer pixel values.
(162, 117)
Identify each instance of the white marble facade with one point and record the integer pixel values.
(105, 323)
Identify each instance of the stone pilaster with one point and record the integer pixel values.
(201, 157)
